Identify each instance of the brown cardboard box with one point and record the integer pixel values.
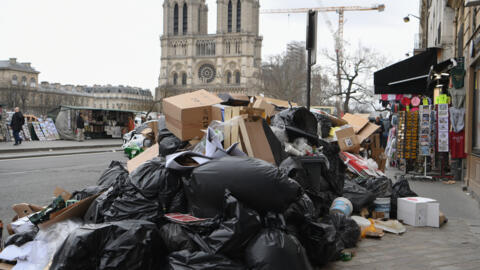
(6, 266)
(347, 140)
(75, 210)
(357, 122)
(218, 112)
(277, 102)
(187, 114)
(367, 131)
(154, 126)
(261, 103)
(255, 140)
(148, 154)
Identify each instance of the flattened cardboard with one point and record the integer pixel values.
(347, 140)
(357, 122)
(255, 140)
(277, 102)
(187, 114)
(368, 130)
(75, 210)
(146, 155)
(25, 209)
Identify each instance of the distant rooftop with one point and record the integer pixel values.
(12, 64)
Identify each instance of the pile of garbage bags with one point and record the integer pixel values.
(227, 212)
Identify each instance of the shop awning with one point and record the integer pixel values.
(406, 77)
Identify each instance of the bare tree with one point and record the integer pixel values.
(356, 73)
(284, 75)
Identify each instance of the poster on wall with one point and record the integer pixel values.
(442, 123)
(424, 135)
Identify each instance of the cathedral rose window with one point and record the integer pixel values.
(207, 73)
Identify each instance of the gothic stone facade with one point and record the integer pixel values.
(228, 61)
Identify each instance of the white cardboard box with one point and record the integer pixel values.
(418, 211)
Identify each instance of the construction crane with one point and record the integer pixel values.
(339, 37)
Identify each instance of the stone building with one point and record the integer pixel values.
(191, 59)
(19, 87)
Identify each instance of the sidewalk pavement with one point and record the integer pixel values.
(58, 147)
(453, 246)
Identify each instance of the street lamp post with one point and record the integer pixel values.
(407, 18)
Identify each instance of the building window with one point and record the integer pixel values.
(239, 16)
(175, 78)
(229, 77)
(237, 77)
(175, 20)
(185, 18)
(14, 80)
(24, 81)
(230, 16)
(33, 83)
(184, 78)
(227, 47)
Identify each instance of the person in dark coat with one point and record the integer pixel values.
(80, 127)
(17, 123)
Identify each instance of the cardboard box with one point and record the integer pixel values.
(218, 112)
(277, 102)
(418, 211)
(187, 114)
(146, 155)
(347, 139)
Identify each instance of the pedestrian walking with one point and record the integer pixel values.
(17, 123)
(80, 127)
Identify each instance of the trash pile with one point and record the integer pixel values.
(256, 186)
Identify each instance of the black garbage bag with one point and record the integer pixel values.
(147, 194)
(155, 182)
(359, 196)
(200, 260)
(178, 204)
(115, 172)
(310, 173)
(21, 238)
(400, 189)
(176, 238)
(381, 187)
(235, 228)
(131, 204)
(347, 229)
(96, 211)
(322, 202)
(249, 180)
(274, 249)
(168, 143)
(129, 244)
(335, 174)
(299, 117)
(86, 192)
(325, 124)
(299, 211)
(321, 242)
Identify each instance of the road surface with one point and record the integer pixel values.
(32, 180)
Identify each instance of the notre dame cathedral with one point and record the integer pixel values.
(192, 59)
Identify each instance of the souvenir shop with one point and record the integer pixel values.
(99, 123)
(427, 115)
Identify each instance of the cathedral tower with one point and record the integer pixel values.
(192, 59)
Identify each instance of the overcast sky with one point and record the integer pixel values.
(117, 41)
